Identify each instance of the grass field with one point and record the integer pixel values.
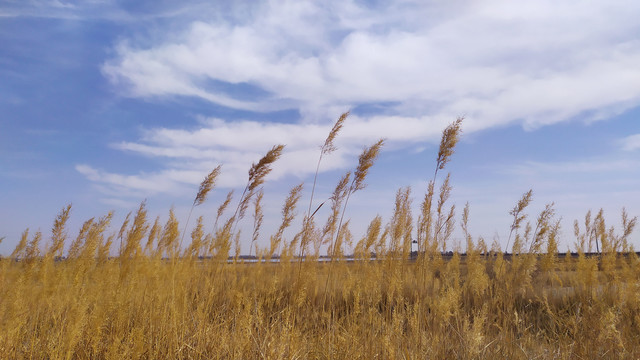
(477, 308)
(147, 292)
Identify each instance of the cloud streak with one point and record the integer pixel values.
(537, 61)
(422, 64)
(189, 154)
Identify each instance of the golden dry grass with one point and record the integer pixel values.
(160, 299)
(389, 308)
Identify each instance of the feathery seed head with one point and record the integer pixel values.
(628, 224)
(222, 208)
(516, 212)
(450, 137)
(76, 245)
(339, 193)
(154, 234)
(225, 204)
(328, 146)
(95, 236)
(288, 209)
(170, 235)
(288, 214)
(124, 226)
(465, 221)
(366, 160)
(197, 235)
(257, 174)
(136, 232)
(263, 167)
(58, 232)
(33, 248)
(22, 244)
(373, 233)
(207, 184)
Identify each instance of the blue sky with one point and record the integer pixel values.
(106, 103)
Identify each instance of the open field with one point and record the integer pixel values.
(158, 296)
(477, 308)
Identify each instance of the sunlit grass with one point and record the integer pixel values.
(164, 293)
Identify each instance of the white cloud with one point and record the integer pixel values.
(126, 187)
(422, 63)
(631, 143)
(190, 154)
(153, 184)
(110, 10)
(496, 62)
(119, 203)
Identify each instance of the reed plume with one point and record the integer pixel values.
(33, 247)
(365, 161)
(137, 231)
(337, 198)
(75, 248)
(104, 249)
(169, 240)
(327, 148)
(197, 239)
(518, 215)
(94, 237)
(364, 246)
(544, 225)
(581, 238)
(400, 227)
(205, 186)
(599, 230)
(154, 235)
(444, 220)
(18, 251)
(257, 173)
(123, 229)
(222, 208)
(222, 238)
(450, 138)
(628, 225)
(59, 233)
(288, 214)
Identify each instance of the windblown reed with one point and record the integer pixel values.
(149, 297)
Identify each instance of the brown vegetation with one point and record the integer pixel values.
(157, 300)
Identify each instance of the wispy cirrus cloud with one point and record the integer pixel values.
(535, 61)
(111, 10)
(421, 64)
(189, 154)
